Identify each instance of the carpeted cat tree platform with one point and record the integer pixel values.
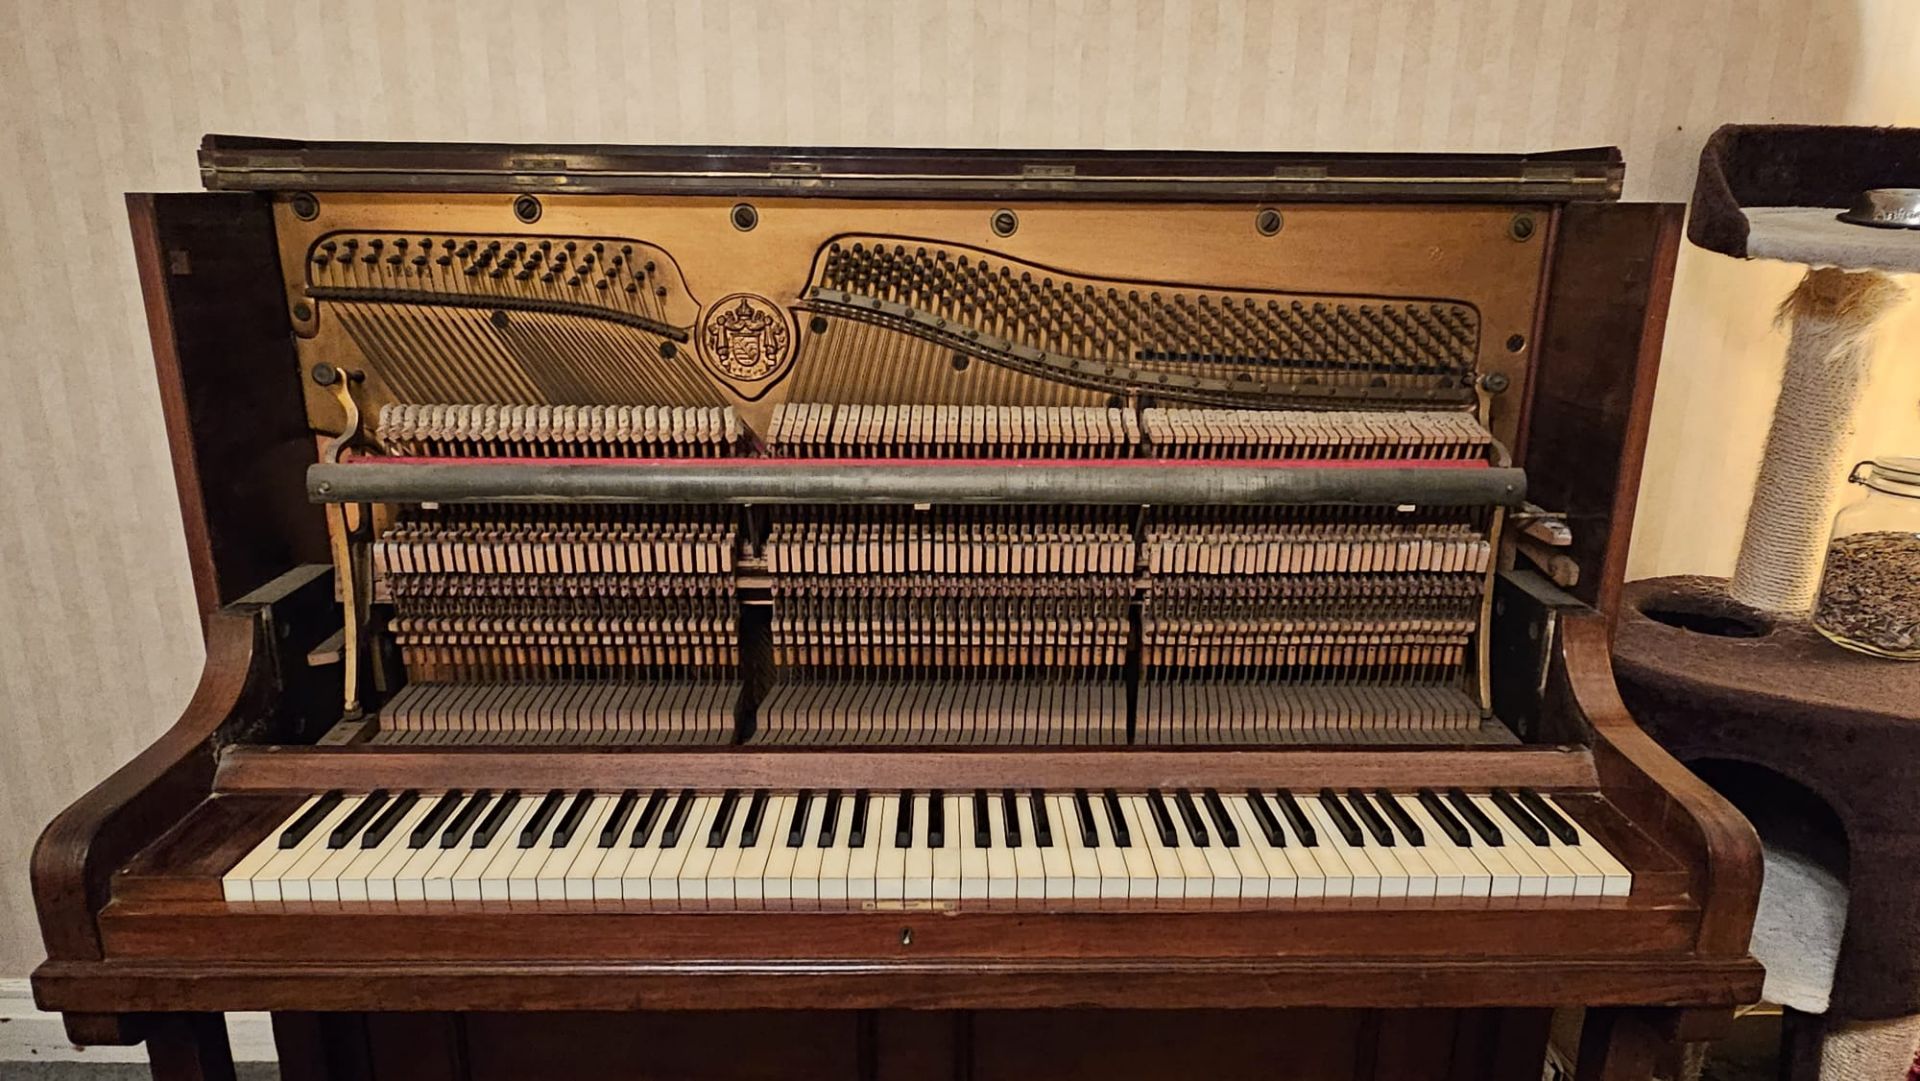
(1819, 746)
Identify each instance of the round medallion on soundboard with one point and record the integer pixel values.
(746, 337)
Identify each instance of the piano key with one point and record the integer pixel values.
(903, 821)
(579, 873)
(310, 852)
(835, 853)
(656, 812)
(857, 828)
(1083, 867)
(776, 883)
(1162, 819)
(690, 879)
(679, 819)
(1196, 830)
(1223, 824)
(1444, 818)
(1542, 873)
(1010, 819)
(575, 814)
(1052, 850)
(976, 868)
(319, 811)
(1303, 828)
(425, 829)
(1337, 816)
(1117, 825)
(615, 820)
(1083, 817)
(1161, 845)
(946, 857)
(1041, 821)
(1108, 857)
(1263, 817)
(1142, 881)
(1617, 881)
(237, 883)
(1516, 814)
(1370, 818)
(751, 825)
(1410, 831)
(802, 811)
(1256, 882)
(829, 818)
(864, 862)
(463, 822)
(805, 873)
(535, 827)
(1029, 869)
(1279, 868)
(1475, 819)
(679, 845)
(982, 825)
(390, 819)
(1358, 876)
(1501, 878)
(496, 818)
(721, 825)
(1550, 818)
(890, 866)
(350, 826)
(917, 878)
(722, 873)
(1221, 870)
(377, 879)
(1003, 880)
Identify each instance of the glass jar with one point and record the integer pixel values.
(1869, 597)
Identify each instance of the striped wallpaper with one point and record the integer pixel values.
(97, 642)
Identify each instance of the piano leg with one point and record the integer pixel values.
(1618, 1045)
(189, 1047)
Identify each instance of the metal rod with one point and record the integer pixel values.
(1217, 484)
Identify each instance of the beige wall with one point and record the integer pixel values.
(97, 97)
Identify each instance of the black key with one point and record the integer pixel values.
(350, 827)
(1162, 821)
(1401, 820)
(1470, 812)
(315, 815)
(982, 820)
(756, 818)
(1297, 818)
(496, 817)
(617, 821)
(1196, 829)
(384, 825)
(830, 818)
(1083, 810)
(1222, 821)
(936, 819)
(436, 818)
(1010, 817)
(1263, 815)
(857, 829)
(1042, 823)
(1550, 818)
(570, 819)
(676, 819)
(1534, 831)
(1370, 818)
(1342, 821)
(903, 821)
(1442, 817)
(469, 814)
(1122, 836)
(723, 818)
(650, 816)
(537, 822)
(803, 810)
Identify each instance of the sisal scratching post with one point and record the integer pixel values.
(1833, 315)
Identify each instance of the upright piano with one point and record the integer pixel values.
(725, 613)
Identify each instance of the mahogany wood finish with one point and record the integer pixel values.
(142, 946)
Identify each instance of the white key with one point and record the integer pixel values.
(436, 873)
(503, 853)
(1225, 872)
(1365, 878)
(863, 862)
(237, 884)
(750, 872)
(1142, 880)
(369, 878)
(917, 880)
(1616, 880)
(890, 862)
(1053, 858)
(976, 863)
(1084, 865)
(627, 872)
(720, 872)
(1505, 876)
(836, 857)
(1385, 860)
(324, 883)
(523, 880)
(947, 858)
(296, 881)
(1443, 869)
(1195, 869)
(1169, 875)
(663, 881)
(1256, 885)
(1109, 857)
(1276, 872)
(1421, 878)
(691, 877)
(777, 882)
(808, 860)
(1533, 877)
(414, 876)
(569, 875)
(1029, 869)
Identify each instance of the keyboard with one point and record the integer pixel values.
(759, 848)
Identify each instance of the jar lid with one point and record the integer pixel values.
(1897, 476)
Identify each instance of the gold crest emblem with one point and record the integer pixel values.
(746, 337)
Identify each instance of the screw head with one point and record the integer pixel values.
(668, 350)
(325, 374)
(961, 361)
(1268, 222)
(745, 217)
(1004, 222)
(498, 319)
(526, 208)
(1495, 382)
(302, 311)
(817, 324)
(1522, 227)
(1516, 342)
(304, 205)
(906, 936)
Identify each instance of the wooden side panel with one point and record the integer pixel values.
(209, 272)
(1599, 353)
